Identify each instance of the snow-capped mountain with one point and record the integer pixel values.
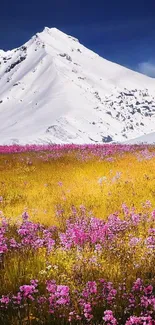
(53, 89)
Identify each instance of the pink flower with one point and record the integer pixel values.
(134, 241)
(25, 216)
(138, 285)
(153, 214)
(150, 242)
(88, 311)
(28, 291)
(51, 286)
(17, 299)
(144, 320)
(42, 300)
(13, 243)
(109, 317)
(148, 290)
(4, 301)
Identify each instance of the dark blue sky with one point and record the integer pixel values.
(119, 30)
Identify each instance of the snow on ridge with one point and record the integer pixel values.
(53, 89)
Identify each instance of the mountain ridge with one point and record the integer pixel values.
(55, 90)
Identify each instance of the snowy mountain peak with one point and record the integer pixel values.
(55, 33)
(53, 89)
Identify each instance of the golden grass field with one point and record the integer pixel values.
(28, 182)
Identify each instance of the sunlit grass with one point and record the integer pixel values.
(70, 186)
(29, 182)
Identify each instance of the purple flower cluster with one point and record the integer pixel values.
(81, 298)
(79, 231)
(109, 318)
(33, 235)
(97, 299)
(142, 320)
(82, 152)
(3, 239)
(59, 295)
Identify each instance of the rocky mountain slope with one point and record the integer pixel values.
(55, 90)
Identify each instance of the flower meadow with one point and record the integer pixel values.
(77, 235)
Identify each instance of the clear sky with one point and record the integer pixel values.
(122, 31)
